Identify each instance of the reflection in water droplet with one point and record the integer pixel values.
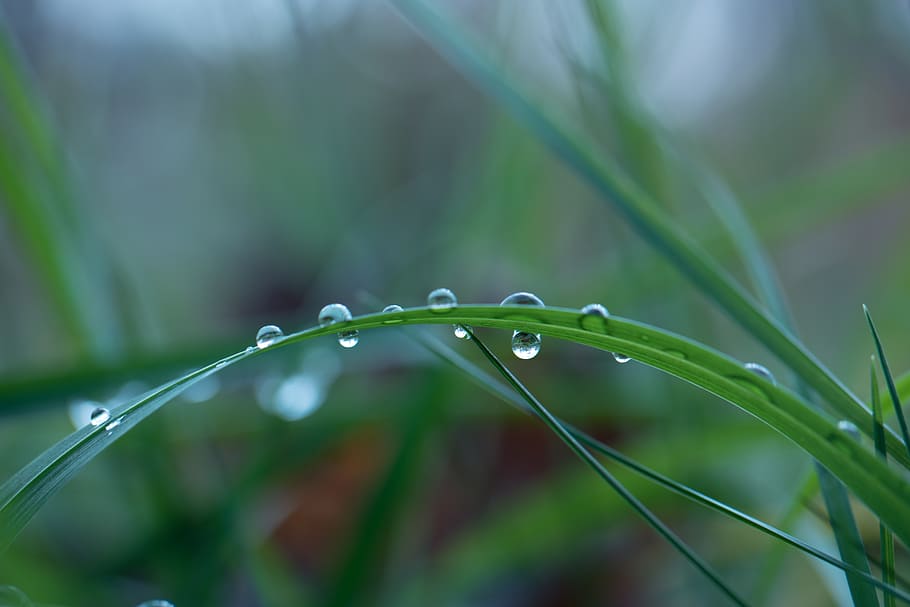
(156, 603)
(621, 358)
(80, 412)
(441, 300)
(335, 313)
(461, 332)
(594, 317)
(524, 345)
(761, 371)
(99, 416)
(268, 335)
(849, 428)
(10, 596)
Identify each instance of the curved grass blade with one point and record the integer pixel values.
(23, 494)
(641, 212)
(889, 380)
(501, 391)
(887, 540)
(579, 450)
(883, 490)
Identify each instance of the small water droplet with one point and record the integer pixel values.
(80, 412)
(113, 424)
(156, 603)
(749, 384)
(761, 371)
(268, 335)
(461, 332)
(621, 358)
(849, 428)
(441, 300)
(594, 317)
(10, 596)
(595, 309)
(524, 345)
(392, 308)
(335, 313)
(99, 416)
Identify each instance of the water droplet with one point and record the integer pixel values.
(113, 424)
(268, 335)
(461, 332)
(80, 412)
(595, 309)
(392, 308)
(441, 300)
(10, 596)
(849, 428)
(749, 384)
(99, 416)
(334, 313)
(524, 345)
(621, 358)
(761, 371)
(156, 603)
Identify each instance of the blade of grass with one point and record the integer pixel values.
(887, 540)
(593, 462)
(503, 392)
(883, 490)
(639, 209)
(889, 380)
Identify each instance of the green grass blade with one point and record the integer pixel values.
(883, 490)
(640, 210)
(588, 458)
(887, 540)
(889, 380)
(503, 392)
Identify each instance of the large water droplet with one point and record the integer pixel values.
(621, 358)
(392, 308)
(524, 345)
(761, 371)
(441, 300)
(268, 335)
(156, 603)
(10, 596)
(849, 428)
(99, 416)
(595, 309)
(334, 313)
(461, 332)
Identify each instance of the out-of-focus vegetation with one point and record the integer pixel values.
(175, 175)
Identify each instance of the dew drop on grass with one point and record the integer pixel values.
(595, 309)
(80, 413)
(441, 300)
(156, 603)
(268, 335)
(461, 332)
(761, 371)
(334, 313)
(621, 358)
(392, 308)
(99, 416)
(849, 428)
(524, 345)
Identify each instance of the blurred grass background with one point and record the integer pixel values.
(174, 175)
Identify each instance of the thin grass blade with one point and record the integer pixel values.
(887, 540)
(889, 380)
(588, 458)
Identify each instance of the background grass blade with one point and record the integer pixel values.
(885, 537)
(585, 455)
(889, 380)
(638, 208)
(503, 392)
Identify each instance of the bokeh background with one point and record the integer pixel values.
(175, 174)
